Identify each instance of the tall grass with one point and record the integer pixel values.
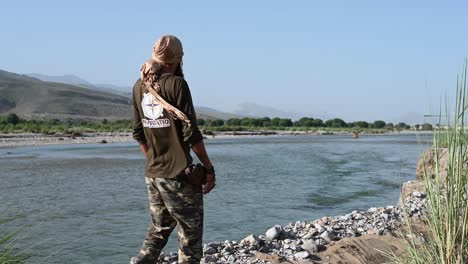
(9, 241)
(447, 213)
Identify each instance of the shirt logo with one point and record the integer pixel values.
(153, 111)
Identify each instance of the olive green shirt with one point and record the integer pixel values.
(168, 139)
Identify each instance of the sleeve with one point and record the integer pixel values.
(192, 134)
(138, 133)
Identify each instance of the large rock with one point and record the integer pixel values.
(251, 240)
(274, 232)
(328, 236)
(310, 246)
(427, 164)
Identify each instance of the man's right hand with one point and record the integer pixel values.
(144, 148)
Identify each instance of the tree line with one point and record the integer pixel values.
(267, 122)
(12, 123)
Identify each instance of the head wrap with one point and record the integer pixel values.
(168, 49)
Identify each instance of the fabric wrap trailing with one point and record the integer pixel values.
(149, 75)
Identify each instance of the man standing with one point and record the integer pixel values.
(166, 142)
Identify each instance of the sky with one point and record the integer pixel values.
(357, 60)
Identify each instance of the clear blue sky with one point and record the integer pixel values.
(351, 59)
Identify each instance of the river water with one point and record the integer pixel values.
(88, 203)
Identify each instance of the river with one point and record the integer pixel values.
(88, 203)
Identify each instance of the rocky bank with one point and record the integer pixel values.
(356, 237)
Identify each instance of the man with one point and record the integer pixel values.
(166, 142)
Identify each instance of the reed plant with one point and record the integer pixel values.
(10, 252)
(446, 216)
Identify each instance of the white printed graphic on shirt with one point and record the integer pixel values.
(153, 111)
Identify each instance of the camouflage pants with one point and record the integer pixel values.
(173, 203)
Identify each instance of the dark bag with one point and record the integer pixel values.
(194, 174)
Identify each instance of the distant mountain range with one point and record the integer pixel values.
(36, 96)
(68, 96)
(32, 98)
(78, 81)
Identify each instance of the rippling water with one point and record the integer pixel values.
(88, 203)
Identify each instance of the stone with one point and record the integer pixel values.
(302, 255)
(273, 232)
(327, 236)
(358, 216)
(319, 228)
(214, 244)
(309, 246)
(209, 250)
(209, 259)
(251, 240)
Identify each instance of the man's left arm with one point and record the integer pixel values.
(194, 137)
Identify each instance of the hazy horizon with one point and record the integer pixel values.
(363, 60)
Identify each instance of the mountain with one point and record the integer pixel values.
(78, 81)
(68, 78)
(32, 98)
(210, 113)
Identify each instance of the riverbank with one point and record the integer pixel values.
(38, 139)
(358, 237)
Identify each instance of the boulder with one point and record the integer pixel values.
(251, 240)
(274, 232)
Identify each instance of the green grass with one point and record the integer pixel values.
(67, 127)
(447, 213)
(10, 251)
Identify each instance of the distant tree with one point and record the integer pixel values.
(217, 122)
(417, 126)
(266, 124)
(336, 122)
(256, 122)
(264, 120)
(275, 121)
(389, 126)
(309, 123)
(104, 121)
(233, 122)
(317, 123)
(361, 124)
(12, 119)
(201, 122)
(303, 121)
(378, 124)
(245, 121)
(285, 122)
(402, 125)
(427, 127)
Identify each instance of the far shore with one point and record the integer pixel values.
(38, 139)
